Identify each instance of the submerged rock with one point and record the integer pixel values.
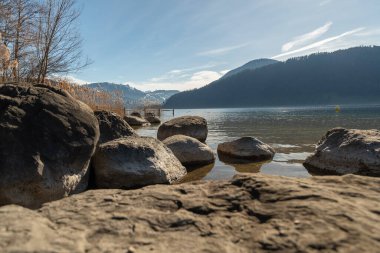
(192, 126)
(346, 151)
(246, 148)
(136, 121)
(112, 126)
(256, 213)
(135, 162)
(47, 139)
(190, 151)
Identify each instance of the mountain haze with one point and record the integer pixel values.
(341, 77)
(133, 96)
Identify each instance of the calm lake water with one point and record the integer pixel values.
(292, 131)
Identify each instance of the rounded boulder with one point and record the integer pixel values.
(193, 126)
(190, 151)
(247, 148)
(135, 162)
(112, 126)
(136, 121)
(47, 140)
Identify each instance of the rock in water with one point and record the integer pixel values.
(250, 213)
(248, 148)
(192, 126)
(136, 114)
(190, 151)
(134, 162)
(112, 126)
(153, 119)
(346, 151)
(47, 140)
(136, 121)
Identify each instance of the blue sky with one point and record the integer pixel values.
(185, 44)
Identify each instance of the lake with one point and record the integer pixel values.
(292, 131)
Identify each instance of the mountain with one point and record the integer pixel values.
(255, 64)
(342, 77)
(133, 96)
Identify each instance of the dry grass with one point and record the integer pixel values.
(97, 100)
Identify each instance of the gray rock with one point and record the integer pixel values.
(248, 148)
(135, 162)
(152, 119)
(136, 121)
(345, 151)
(190, 151)
(192, 126)
(47, 140)
(136, 114)
(250, 213)
(112, 126)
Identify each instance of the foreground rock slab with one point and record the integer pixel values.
(345, 151)
(47, 139)
(256, 213)
(134, 162)
(190, 151)
(247, 148)
(193, 126)
(112, 126)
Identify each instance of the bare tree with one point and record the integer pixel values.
(58, 44)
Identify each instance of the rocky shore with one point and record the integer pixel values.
(53, 146)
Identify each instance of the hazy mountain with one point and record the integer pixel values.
(255, 64)
(133, 96)
(343, 77)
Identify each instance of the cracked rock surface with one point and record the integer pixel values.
(250, 213)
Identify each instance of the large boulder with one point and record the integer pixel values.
(189, 150)
(112, 126)
(345, 151)
(250, 213)
(247, 148)
(47, 140)
(134, 162)
(193, 126)
(136, 114)
(136, 121)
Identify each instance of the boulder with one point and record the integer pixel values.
(136, 121)
(250, 213)
(47, 140)
(345, 151)
(246, 148)
(189, 150)
(112, 126)
(135, 162)
(136, 114)
(192, 126)
(152, 119)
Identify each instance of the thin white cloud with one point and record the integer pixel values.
(223, 50)
(319, 44)
(71, 79)
(196, 80)
(325, 2)
(181, 73)
(306, 38)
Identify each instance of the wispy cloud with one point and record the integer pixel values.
(306, 38)
(325, 2)
(319, 44)
(220, 51)
(195, 80)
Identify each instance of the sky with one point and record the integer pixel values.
(186, 44)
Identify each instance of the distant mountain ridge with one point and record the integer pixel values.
(133, 96)
(255, 64)
(349, 76)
